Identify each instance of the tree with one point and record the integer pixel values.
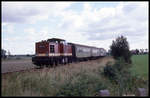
(3, 53)
(9, 54)
(137, 51)
(120, 48)
(146, 51)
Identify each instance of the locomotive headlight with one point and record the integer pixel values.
(47, 54)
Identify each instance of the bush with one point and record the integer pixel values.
(82, 85)
(120, 74)
(109, 71)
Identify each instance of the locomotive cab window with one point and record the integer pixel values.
(52, 50)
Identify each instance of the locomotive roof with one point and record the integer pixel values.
(55, 39)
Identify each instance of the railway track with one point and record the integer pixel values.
(20, 66)
(35, 68)
(27, 66)
(30, 70)
(25, 70)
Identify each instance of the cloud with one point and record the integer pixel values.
(118, 20)
(17, 12)
(30, 12)
(25, 44)
(34, 35)
(109, 22)
(8, 28)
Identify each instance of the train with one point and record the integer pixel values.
(56, 51)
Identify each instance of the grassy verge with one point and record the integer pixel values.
(77, 79)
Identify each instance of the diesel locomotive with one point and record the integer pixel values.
(57, 51)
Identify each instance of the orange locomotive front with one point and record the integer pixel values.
(52, 52)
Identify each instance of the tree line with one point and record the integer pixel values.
(134, 51)
(6, 54)
(139, 51)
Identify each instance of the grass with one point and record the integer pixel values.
(140, 65)
(76, 79)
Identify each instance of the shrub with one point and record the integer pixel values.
(82, 85)
(109, 71)
(120, 74)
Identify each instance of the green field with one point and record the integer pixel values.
(140, 65)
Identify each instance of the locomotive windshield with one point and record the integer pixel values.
(52, 50)
(62, 42)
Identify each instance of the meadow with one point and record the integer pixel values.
(140, 65)
(76, 79)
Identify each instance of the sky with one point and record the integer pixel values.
(88, 23)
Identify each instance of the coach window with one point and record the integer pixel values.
(52, 49)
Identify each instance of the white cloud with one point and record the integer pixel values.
(127, 18)
(33, 35)
(25, 44)
(31, 12)
(8, 28)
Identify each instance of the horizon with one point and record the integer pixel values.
(88, 23)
